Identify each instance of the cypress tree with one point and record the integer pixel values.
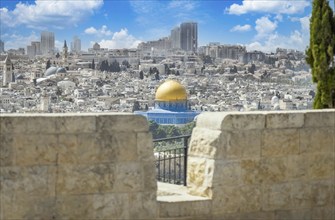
(320, 54)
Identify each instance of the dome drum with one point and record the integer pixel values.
(171, 105)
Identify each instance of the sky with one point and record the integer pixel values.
(256, 24)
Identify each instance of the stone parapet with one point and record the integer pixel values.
(76, 166)
(259, 165)
(270, 165)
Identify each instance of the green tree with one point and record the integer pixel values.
(141, 74)
(320, 53)
(136, 106)
(125, 63)
(187, 128)
(48, 65)
(93, 64)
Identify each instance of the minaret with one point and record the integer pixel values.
(8, 71)
(65, 54)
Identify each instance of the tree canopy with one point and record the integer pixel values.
(320, 53)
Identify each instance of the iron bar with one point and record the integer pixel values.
(173, 154)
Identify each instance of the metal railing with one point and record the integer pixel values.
(171, 159)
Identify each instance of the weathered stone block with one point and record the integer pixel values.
(27, 181)
(84, 179)
(324, 118)
(226, 200)
(259, 171)
(243, 144)
(35, 149)
(242, 121)
(111, 206)
(316, 140)
(205, 143)
(297, 167)
(257, 215)
(322, 193)
(250, 198)
(285, 120)
(327, 212)
(199, 176)
(321, 166)
(67, 148)
(32, 207)
(169, 210)
(305, 214)
(227, 173)
(76, 207)
(76, 124)
(40, 124)
(149, 176)
(280, 142)
(129, 177)
(117, 146)
(7, 157)
(88, 150)
(145, 146)
(143, 205)
(300, 195)
(276, 197)
(211, 120)
(231, 121)
(186, 209)
(10, 124)
(122, 123)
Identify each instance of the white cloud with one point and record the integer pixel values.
(91, 30)
(159, 15)
(297, 39)
(42, 14)
(269, 6)
(241, 28)
(59, 44)
(279, 17)
(304, 22)
(183, 5)
(120, 40)
(264, 27)
(15, 41)
(103, 31)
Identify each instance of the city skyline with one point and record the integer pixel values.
(124, 24)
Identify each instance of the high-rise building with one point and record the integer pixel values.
(34, 49)
(2, 46)
(47, 43)
(189, 36)
(175, 38)
(76, 45)
(37, 46)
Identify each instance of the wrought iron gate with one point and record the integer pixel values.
(171, 159)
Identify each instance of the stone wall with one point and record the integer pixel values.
(78, 166)
(263, 165)
(274, 165)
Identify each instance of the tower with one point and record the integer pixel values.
(175, 38)
(65, 54)
(189, 36)
(47, 45)
(8, 71)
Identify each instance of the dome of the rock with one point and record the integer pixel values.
(171, 91)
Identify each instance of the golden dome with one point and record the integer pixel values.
(171, 91)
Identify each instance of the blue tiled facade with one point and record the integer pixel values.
(170, 113)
